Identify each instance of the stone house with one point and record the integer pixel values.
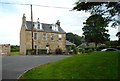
(45, 36)
(4, 49)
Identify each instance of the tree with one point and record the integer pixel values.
(111, 10)
(118, 35)
(95, 29)
(74, 38)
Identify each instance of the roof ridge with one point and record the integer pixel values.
(41, 22)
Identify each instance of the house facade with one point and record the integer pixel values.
(45, 36)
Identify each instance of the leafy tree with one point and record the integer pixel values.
(118, 35)
(95, 29)
(112, 43)
(74, 38)
(111, 10)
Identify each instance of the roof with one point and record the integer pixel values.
(45, 27)
(68, 43)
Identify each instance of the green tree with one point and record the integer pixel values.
(74, 38)
(111, 10)
(118, 35)
(95, 29)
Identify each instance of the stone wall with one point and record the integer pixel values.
(41, 43)
(4, 49)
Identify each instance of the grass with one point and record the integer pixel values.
(96, 65)
(14, 53)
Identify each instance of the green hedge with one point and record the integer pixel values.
(15, 48)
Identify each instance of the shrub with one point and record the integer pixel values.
(42, 51)
(118, 47)
(14, 48)
(30, 51)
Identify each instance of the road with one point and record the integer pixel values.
(14, 66)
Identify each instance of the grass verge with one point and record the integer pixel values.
(96, 65)
(14, 53)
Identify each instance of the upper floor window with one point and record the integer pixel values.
(59, 37)
(35, 35)
(52, 37)
(44, 36)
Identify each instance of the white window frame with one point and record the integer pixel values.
(59, 36)
(44, 36)
(52, 35)
(35, 34)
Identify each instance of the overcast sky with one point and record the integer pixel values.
(11, 18)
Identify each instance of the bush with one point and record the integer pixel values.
(42, 51)
(30, 51)
(14, 48)
(118, 47)
(87, 50)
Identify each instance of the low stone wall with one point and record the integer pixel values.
(4, 49)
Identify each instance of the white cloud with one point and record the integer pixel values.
(11, 16)
(113, 32)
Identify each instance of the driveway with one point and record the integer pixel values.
(14, 66)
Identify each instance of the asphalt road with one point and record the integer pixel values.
(14, 66)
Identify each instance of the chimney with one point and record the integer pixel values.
(58, 22)
(23, 19)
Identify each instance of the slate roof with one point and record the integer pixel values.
(68, 43)
(46, 27)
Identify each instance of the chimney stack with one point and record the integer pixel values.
(58, 22)
(23, 19)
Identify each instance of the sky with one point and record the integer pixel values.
(71, 21)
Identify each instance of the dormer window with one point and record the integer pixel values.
(38, 25)
(54, 27)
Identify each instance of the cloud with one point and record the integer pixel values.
(11, 17)
(113, 32)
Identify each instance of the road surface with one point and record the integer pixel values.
(14, 66)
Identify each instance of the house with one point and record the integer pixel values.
(45, 36)
(4, 49)
(68, 43)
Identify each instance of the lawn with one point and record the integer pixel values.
(14, 53)
(96, 65)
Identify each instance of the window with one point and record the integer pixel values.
(59, 37)
(35, 35)
(44, 37)
(38, 25)
(52, 37)
(56, 27)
